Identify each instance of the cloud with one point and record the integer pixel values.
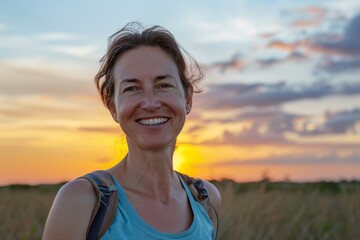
(270, 116)
(235, 63)
(250, 136)
(53, 44)
(272, 126)
(57, 36)
(105, 130)
(339, 52)
(266, 35)
(89, 50)
(3, 27)
(291, 57)
(311, 16)
(21, 81)
(337, 123)
(225, 31)
(15, 140)
(255, 139)
(268, 122)
(349, 44)
(264, 127)
(289, 47)
(295, 159)
(14, 42)
(339, 65)
(237, 95)
(24, 110)
(344, 45)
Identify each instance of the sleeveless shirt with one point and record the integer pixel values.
(129, 225)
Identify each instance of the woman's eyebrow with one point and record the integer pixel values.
(135, 80)
(129, 80)
(163, 76)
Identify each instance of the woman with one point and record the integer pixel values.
(146, 85)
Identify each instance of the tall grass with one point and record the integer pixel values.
(249, 211)
(23, 211)
(290, 211)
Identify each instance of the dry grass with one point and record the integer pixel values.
(290, 211)
(24, 210)
(250, 211)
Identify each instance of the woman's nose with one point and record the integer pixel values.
(150, 101)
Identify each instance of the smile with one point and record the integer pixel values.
(152, 121)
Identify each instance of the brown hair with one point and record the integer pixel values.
(134, 35)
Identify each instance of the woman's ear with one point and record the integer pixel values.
(113, 113)
(188, 108)
(188, 98)
(115, 117)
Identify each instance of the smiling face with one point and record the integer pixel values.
(149, 100)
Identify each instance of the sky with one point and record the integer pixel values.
(281, 96)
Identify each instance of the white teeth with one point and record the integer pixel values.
(152, 121)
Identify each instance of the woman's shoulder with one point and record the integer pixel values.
(77, 192)
(213, 192)
(214, 195)
(71, 211)
(215, 201)
(78, 188)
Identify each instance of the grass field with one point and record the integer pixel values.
(253, 211)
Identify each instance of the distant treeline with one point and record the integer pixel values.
(41, 187)
(265, 185)
(321, 186)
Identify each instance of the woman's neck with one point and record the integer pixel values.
(149, 172)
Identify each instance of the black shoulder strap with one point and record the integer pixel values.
(105, 207)
(201, 195)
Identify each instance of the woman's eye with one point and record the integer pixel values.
(164, 85)
(130, 89)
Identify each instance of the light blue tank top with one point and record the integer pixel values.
(129, 225)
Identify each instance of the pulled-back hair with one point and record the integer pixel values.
(134, 35)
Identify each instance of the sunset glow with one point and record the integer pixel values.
(281, 96)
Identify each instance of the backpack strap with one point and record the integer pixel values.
(105, 206)
(201, 195)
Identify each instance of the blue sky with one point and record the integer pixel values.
(282, 78)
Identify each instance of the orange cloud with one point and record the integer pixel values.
(312, 16)
(289, 47)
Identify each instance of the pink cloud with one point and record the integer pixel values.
(312, 16)
(289, 47)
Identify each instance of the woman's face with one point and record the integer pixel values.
(149, 100)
